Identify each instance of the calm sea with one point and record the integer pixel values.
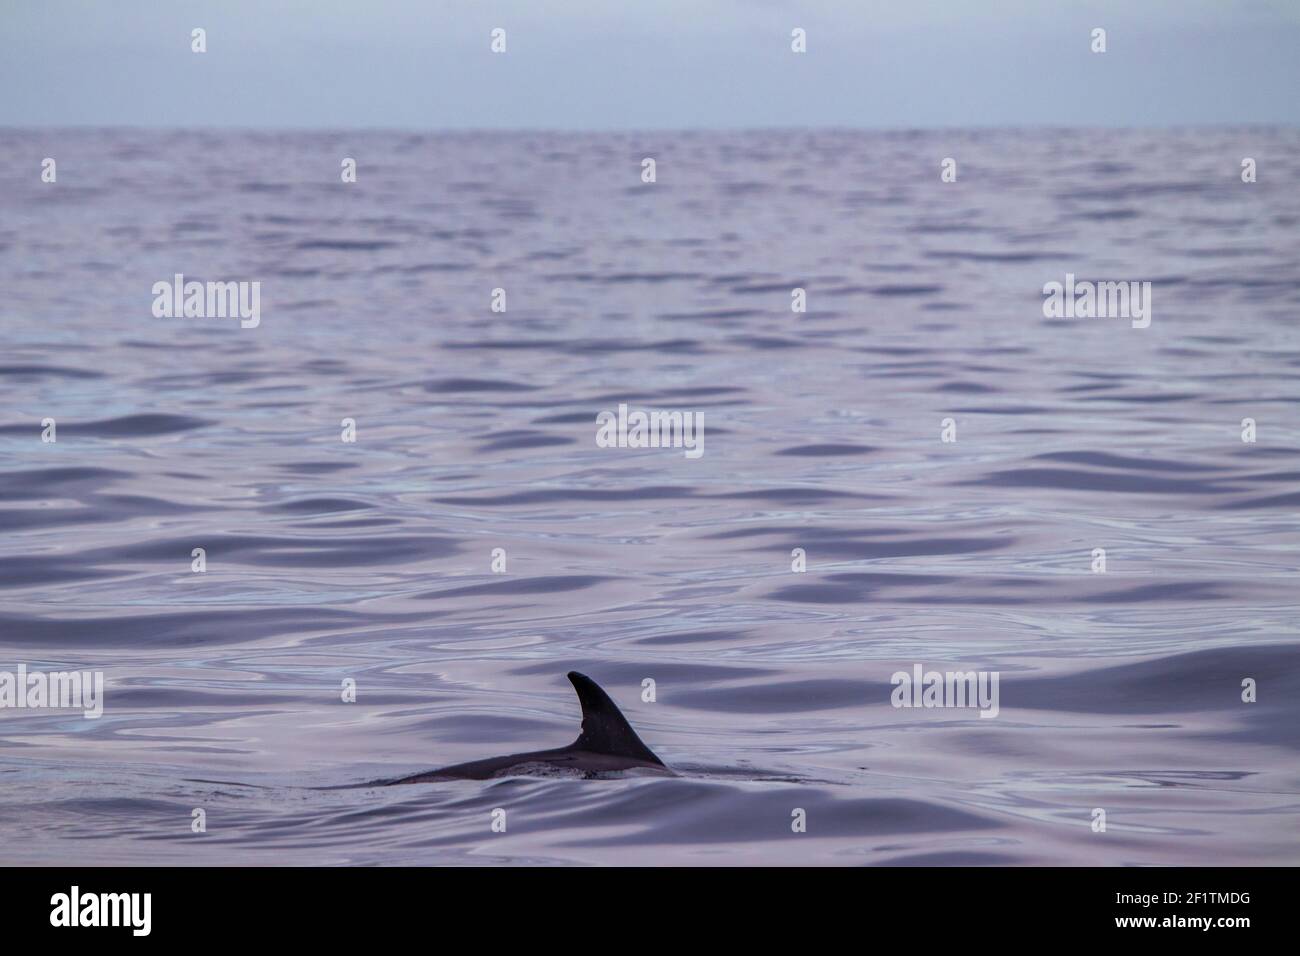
(371, 561)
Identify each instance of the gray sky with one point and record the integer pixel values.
(637, 64)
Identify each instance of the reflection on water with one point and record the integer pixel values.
(371, 561)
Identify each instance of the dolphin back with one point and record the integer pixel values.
(604, 728)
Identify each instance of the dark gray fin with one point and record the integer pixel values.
(604, 728)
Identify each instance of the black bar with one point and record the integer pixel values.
(329, 906)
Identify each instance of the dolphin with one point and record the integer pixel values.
(607, 743)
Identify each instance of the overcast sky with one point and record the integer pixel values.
(637, 64)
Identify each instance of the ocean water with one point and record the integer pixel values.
(370, 561)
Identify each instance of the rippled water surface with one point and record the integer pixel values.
(476, 430)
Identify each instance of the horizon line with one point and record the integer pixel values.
(775, 128)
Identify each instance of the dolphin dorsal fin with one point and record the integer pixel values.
(604, 728)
